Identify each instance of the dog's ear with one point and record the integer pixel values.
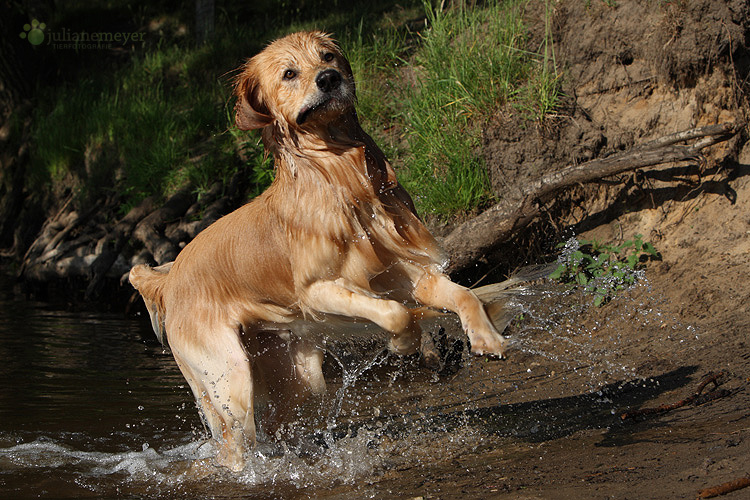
(346, 66)
(250, 112)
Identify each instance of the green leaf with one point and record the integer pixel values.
(589, 260)
(557, 273)
(632, 261)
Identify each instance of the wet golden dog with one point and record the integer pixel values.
(335, 238)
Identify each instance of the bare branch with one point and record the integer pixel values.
(472, 239)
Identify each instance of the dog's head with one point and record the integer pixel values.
(301, 80)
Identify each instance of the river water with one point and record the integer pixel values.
(91, 406)
(83, 398)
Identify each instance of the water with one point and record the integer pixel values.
(91, 406)
(82, 396)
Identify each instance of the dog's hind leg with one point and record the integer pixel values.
(220, 373)
(210, 418)
(290, 369)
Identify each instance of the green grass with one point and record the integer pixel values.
(149, 127)
(448, 81)
(164, 120)
(467, 65)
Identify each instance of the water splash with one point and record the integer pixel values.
(564, 325)
(150, 472)
(349, 378)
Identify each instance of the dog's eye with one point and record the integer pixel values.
(289, 74)
(328, 57)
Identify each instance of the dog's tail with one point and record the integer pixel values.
(496, 296)
(150, 284)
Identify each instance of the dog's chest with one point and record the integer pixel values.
(341, 240)
(340, 226)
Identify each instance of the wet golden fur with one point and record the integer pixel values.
(334, 237)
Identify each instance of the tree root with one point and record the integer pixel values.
(474, 238)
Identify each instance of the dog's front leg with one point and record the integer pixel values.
(438, 291)
(334, 297)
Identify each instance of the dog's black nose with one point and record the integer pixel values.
(328, 80)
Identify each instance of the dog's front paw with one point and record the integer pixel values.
(489, 344)
(404, 343)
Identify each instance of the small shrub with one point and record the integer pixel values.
(601, 269)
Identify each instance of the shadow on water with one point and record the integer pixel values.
(532, 421)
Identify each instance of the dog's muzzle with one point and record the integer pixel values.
(329, 83)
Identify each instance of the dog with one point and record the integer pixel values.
(334, 240)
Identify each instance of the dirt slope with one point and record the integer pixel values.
(635, 71)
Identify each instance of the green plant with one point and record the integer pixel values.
(160, 120)
(468, 63)
(603, 269)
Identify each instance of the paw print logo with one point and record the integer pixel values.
(33, 32)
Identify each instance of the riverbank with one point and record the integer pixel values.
(547, 422)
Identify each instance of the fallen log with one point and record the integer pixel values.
(476, 237)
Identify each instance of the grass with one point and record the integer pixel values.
(468, 63)
(150, 122)
(444, 83)
(163, 120)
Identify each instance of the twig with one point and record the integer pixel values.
(716, 378)
(724, 488)
(696, 398)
